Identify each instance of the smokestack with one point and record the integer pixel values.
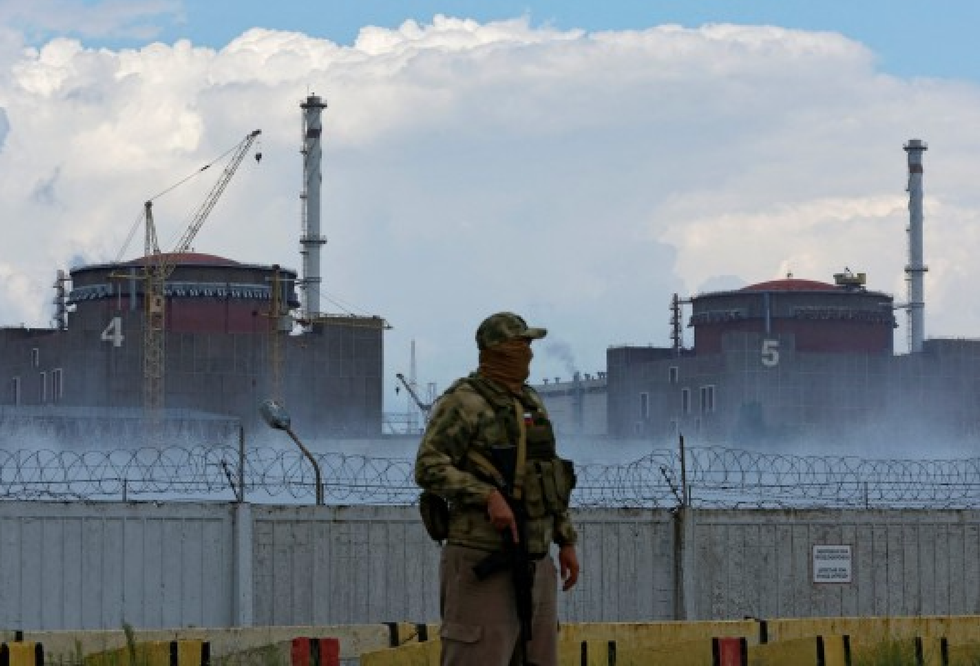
(915, 270)
(311, 241)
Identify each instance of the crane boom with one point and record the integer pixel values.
(157, 269)
(425, 407)
(212, 198)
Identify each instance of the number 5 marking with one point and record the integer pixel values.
(770, 353)
(113, 332)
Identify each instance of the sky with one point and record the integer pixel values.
(575, 162)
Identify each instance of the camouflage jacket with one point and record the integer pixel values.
(475, 414)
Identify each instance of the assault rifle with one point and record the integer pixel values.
(514, 556)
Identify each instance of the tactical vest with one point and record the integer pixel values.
(547, 479)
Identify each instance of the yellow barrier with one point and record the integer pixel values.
(931, 651)
(413, 654)
(155, 653)
(596, 637)
(623, 644)
(244, 646)
(21, 654)
(873, 630)
(815, 651)
(594, 653)
(962, 654)
(703, 652)
(588, 644)
(828, 641)
(401, 633)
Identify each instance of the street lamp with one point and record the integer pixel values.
(277, 417)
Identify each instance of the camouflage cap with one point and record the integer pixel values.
(505, 326)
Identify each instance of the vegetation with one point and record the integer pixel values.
(888, 653)
(135, 654)
(901, 652)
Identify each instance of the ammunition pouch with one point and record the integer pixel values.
(548, 486)
(435, 515)
(541, 440)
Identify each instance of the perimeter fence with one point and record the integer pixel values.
(710, 477)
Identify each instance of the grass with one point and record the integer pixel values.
(888, 653)
(132, 655)
(901, 652)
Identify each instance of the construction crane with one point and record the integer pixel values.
(157, 268)
(424, 407)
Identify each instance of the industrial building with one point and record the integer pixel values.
(782, 361)
(223, 346)
(186, 344)
(577, 405)
(792, 361)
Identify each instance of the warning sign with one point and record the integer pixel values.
(832, 564)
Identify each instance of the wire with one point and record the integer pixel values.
(182, 181)
(196, 173)
(137, 223)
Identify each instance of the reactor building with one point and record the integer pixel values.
(803, 360)
(228, 336)
(790, 361)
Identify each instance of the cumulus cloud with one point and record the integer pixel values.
(578, 178)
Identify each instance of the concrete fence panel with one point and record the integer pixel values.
(100, 565)
(768, 563)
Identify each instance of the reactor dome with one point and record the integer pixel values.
(822, 317)
(205, 292)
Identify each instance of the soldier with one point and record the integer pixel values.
(488, 461)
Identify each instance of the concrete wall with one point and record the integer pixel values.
(341, 565)
(87, 565)
(758, 563)
(768, 400)
(94, 566)
(334, 387)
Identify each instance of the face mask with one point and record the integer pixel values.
(508, 363)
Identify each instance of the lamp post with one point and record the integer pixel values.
(277, 417)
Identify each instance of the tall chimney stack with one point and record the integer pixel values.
(915, 270)
(311, 241)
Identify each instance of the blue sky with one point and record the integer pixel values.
(910, 37)
(579, 163)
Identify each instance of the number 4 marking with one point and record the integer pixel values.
(113, 332)
(770, 353)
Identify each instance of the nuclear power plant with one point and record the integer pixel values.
(791, 360)
(186, 344)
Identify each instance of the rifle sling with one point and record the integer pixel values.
(521, 450)
(491, 470)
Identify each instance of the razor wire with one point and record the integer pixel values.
(711, 477)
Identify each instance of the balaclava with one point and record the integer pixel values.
(508, 363)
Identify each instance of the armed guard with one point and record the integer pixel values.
(497, 493)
